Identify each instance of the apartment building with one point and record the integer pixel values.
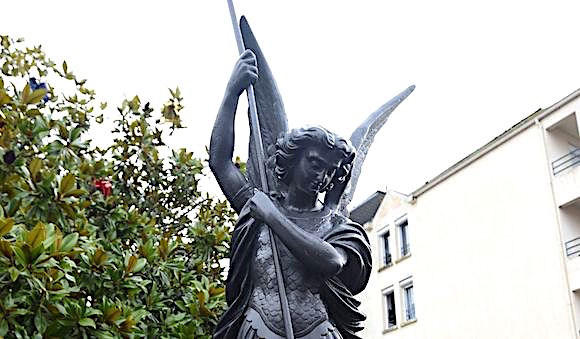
(490, 248)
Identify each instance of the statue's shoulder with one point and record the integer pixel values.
(339, 219)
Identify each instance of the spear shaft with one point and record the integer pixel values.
(255, 126)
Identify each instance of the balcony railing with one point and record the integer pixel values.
(573, 247)
(569, 160)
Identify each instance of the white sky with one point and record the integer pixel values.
(479, 67)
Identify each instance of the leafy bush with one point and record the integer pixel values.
(106, 243)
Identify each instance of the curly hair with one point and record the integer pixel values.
(291, 145)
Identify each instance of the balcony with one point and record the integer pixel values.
(566, 171)
(563, 146)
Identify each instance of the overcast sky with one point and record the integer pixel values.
(479, 66)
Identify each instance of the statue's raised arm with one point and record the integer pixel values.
(231, 180)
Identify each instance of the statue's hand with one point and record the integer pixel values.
(245, 73)
(261, 206)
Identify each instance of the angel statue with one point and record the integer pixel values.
(323, 257)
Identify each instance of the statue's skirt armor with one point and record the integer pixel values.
(253, 327)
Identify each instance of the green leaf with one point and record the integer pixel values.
(75, 193)
(26, 93)
(40, 322)
(139, 314)
(36, 236)
(21, 257)
(36, 96)
(4, 98)
(66, 184)
(64, 67)
(6, 226)
(50, 263)
(14, 273)
(3, 327)
(104, 335)
(87, 322)
(70, 278)
(174, 318)
(20, 311)
(139, 265)
(76, 132)
(130, 263)
(69, 242)
(13, 206)
(93, 311)
(61, 309)
(6, 248)
(35, 166)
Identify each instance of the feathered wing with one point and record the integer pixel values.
(362, 138)
(271, 114)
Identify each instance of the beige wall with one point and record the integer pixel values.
(487, 251)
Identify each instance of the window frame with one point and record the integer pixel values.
(408, 303)
(386, 321)
(384, 251)
(403, 236)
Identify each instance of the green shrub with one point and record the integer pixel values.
(105, 243)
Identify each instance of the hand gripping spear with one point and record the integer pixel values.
(255, 125)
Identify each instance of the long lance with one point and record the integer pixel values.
(255, 126)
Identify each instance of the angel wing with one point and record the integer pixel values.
(271, 114)
(273, 123)
(361, 139)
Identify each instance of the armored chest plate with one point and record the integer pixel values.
(302, 286)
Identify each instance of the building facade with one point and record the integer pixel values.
(490, 248)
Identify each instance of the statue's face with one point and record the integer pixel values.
(315, 170)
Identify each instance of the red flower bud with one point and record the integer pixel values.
(104, 186)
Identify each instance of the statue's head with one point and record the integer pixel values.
(312, 159)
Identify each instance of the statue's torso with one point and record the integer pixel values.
(302, 286)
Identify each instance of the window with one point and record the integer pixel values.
(408, 301)
(390, 311)
(404, 237)
(385, 252)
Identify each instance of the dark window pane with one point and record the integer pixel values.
(386, 253)
(405, 248)
(391, 314)
(409, 303)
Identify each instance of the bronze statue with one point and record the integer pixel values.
(324, 257)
